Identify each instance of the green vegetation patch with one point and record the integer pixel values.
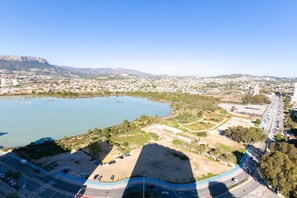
(202, 134)
(225, 147)
(245, 135)
(278, 167)
(257, 99)
(199, 126)
(134, 138)
(206, 176)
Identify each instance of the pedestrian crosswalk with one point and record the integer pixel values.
(44, 187)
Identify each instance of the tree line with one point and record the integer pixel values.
(257, 99)
(204, 149)
(245, 135)
(279, 168)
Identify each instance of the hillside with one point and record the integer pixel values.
(42, 66)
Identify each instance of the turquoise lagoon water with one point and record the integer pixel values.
(25, 119)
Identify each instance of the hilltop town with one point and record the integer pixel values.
(45, 78)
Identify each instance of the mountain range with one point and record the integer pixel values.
(42, 66)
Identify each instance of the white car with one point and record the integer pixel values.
(165, 193)
(234, 180)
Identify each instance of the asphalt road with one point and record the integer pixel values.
(37, 184)
(45, 185)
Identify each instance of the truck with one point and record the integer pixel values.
(23, 162)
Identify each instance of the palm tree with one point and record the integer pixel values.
(225, 157)
(16, 176)
(9, 174)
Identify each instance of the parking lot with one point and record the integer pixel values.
(253, 110)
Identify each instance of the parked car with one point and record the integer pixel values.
(151, 186)
(99, 178)
(112, 178)
(96, 176)
(165, 193)
(65, 170)
(112, 162)
(12, 183)
(234, 180)
(84, 187)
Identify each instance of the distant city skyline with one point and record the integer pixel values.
(197, 38)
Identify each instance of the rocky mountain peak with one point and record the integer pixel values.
(24, 59)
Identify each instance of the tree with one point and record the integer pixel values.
(16, 176)
(258, 121)
(125, 125)
(257, 99)
(245, 135)
(105, 134)
(96, 130)
(279, 171)
(286, 148)
(281, 138)
(9, 174)
(89, 131)
(200, 114)
(287, 103)
(95, 149)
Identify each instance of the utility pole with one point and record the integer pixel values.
(143, 186)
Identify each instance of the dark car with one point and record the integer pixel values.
(81, 191)
(151, 186)
(84, 187)
(112, 162)
(65, 170)
(96, 176)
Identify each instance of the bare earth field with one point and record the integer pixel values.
(214, 136)
(159, 159)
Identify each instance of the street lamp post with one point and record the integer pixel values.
(143, 185)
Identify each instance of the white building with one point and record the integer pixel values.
(256, 90)
(3, 82)
(15, 82)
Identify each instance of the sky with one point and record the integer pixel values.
(174, 37)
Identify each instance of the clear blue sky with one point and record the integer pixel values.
(177, 37)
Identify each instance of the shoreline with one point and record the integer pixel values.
(89, 96)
